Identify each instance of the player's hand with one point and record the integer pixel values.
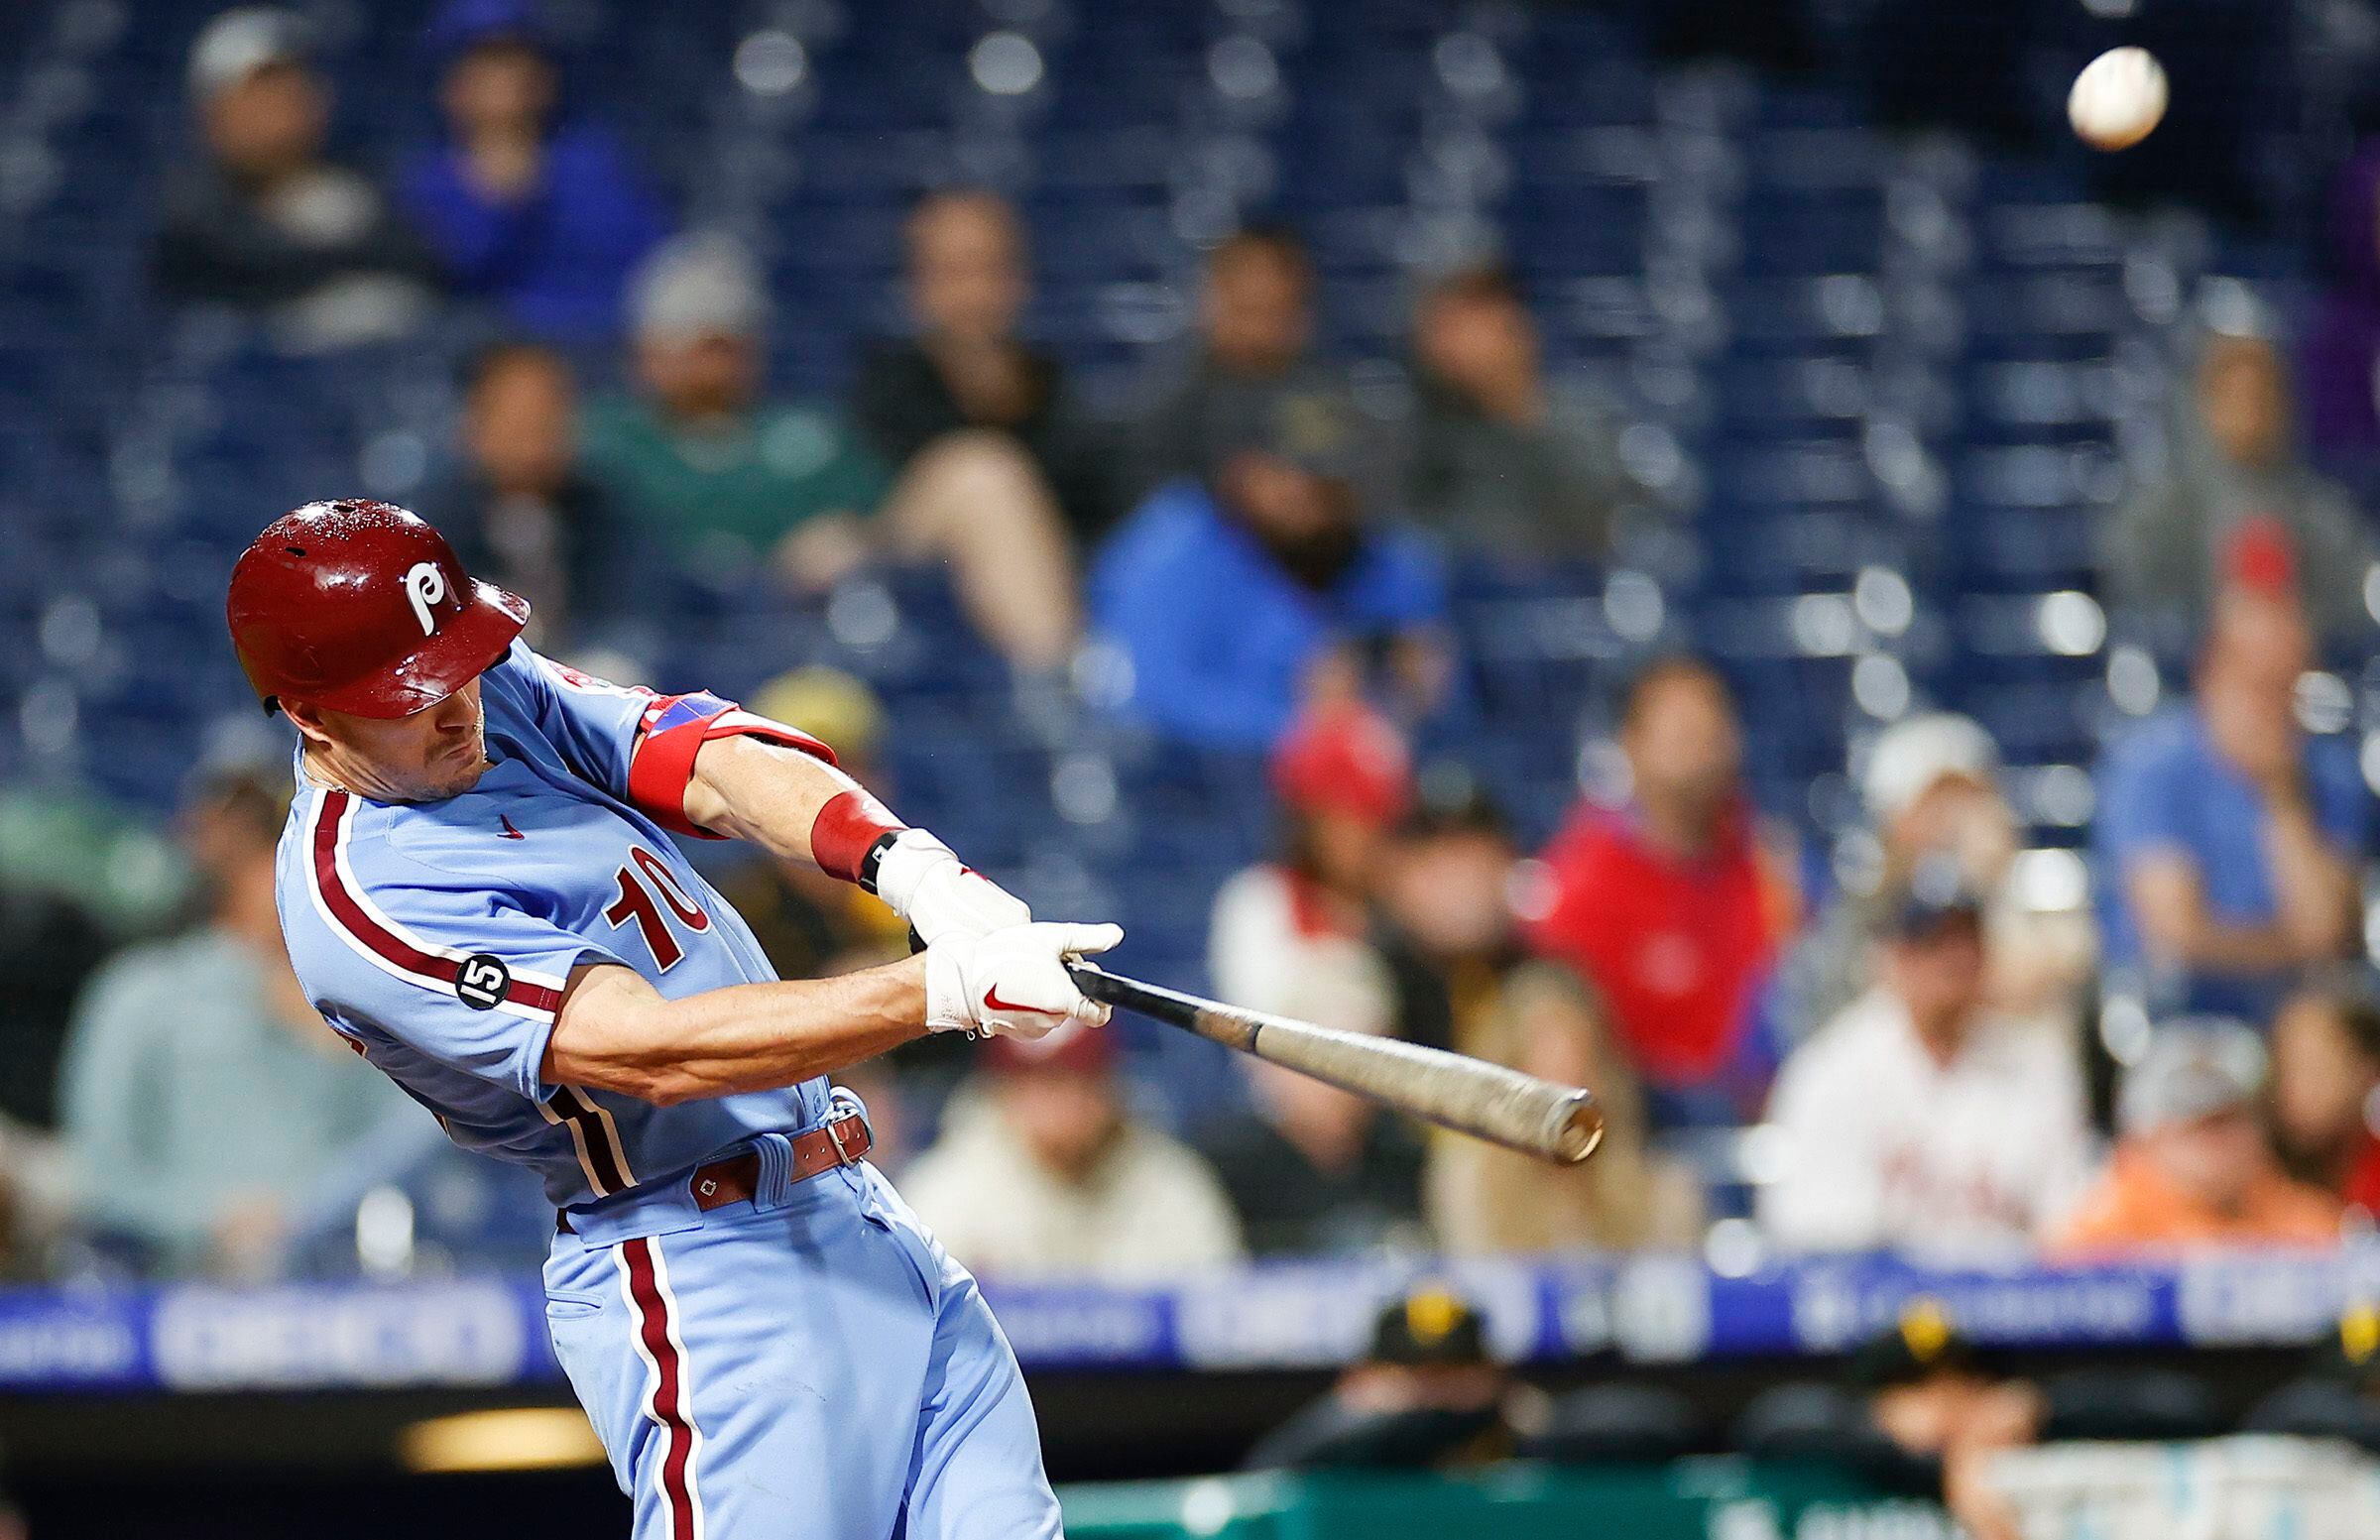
(926, 885)
(1012, 981)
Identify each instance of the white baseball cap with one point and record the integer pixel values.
(703, 285)
(237, 44)
(2192, 1068)
(1911, 756)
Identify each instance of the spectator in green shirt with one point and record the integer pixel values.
(726, 478)
(209, 1114)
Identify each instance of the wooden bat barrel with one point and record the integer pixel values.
(1555, 1123)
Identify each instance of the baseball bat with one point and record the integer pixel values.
(1555, 1123)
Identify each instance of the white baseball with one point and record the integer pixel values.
(2117, 99)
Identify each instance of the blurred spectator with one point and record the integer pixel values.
(1465, 982)
(205, 1102)
(1499, 461)
(726, 479)
(37, 1187)
(523, 514)
(1311, 1168)
(1047, 1174)
(530, 211)
(1231, 597)
(2192, 1168)
(49, 944)
(267, 223)
(1941, 1410)
(1921, 1119)
(811, 926)
(2227, 835)
(1425, 1397)
(2235, 503)
(1932, 785)
(1256, 323)
(966, 370)
(2326, 1093)
(1343, 777)
(1666, 904)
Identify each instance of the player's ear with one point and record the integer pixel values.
(308, 719)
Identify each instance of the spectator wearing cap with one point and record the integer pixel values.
(2227, 837)
(2192, 1168)
(1939, 1408)
(264, 223)
(1932, 786)
(727, 480)
(1666, 903)
(1427, 1395)
(1312, 1169)
(522, 511)
(1046, 1173)
(1234, 597)
(2325, 1094)
(1255, 334)
(1452, 880)
(1343, 777)
(1501, 463)
(1920, 1118)
(963, 376)
(1919, 1409)
(206, 1106)
(2234, 503)
(532, 211)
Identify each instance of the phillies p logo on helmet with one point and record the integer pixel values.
(425, 585)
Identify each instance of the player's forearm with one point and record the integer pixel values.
(616, 1034)
(764, 793)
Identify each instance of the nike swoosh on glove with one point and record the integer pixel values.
(925, 884)
(1012, 981)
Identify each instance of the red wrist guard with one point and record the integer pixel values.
(850, 832)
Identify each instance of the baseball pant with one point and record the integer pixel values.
(814, 1368)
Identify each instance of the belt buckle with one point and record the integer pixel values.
(834, 1137)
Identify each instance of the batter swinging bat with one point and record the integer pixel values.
(1560, 1124)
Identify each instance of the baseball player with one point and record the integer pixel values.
(480, 896)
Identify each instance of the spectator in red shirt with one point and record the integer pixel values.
(2325, 1092)
(1666, 904)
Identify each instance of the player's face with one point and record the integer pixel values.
(427, 757)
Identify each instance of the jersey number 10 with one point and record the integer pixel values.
(636, 901)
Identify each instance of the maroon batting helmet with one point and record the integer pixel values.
(362, 607)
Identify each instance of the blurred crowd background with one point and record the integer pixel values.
(1702, 548)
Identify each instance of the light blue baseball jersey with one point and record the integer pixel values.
(438, 937)
(805, 1365)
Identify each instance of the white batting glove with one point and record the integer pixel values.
(926, 885)
(1012, 981)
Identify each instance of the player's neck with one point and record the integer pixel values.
(326, 766)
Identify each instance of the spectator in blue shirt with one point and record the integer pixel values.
(538, 216)
(2228, 839)
(1237, 596)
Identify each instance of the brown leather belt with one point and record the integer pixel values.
(737, 1179)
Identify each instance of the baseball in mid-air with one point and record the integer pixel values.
(2117, 99)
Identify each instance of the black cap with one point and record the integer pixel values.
(2353, 1354)
(1312, 424)
(1923, 1343)
(1935, 894)
(1429, 1326)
